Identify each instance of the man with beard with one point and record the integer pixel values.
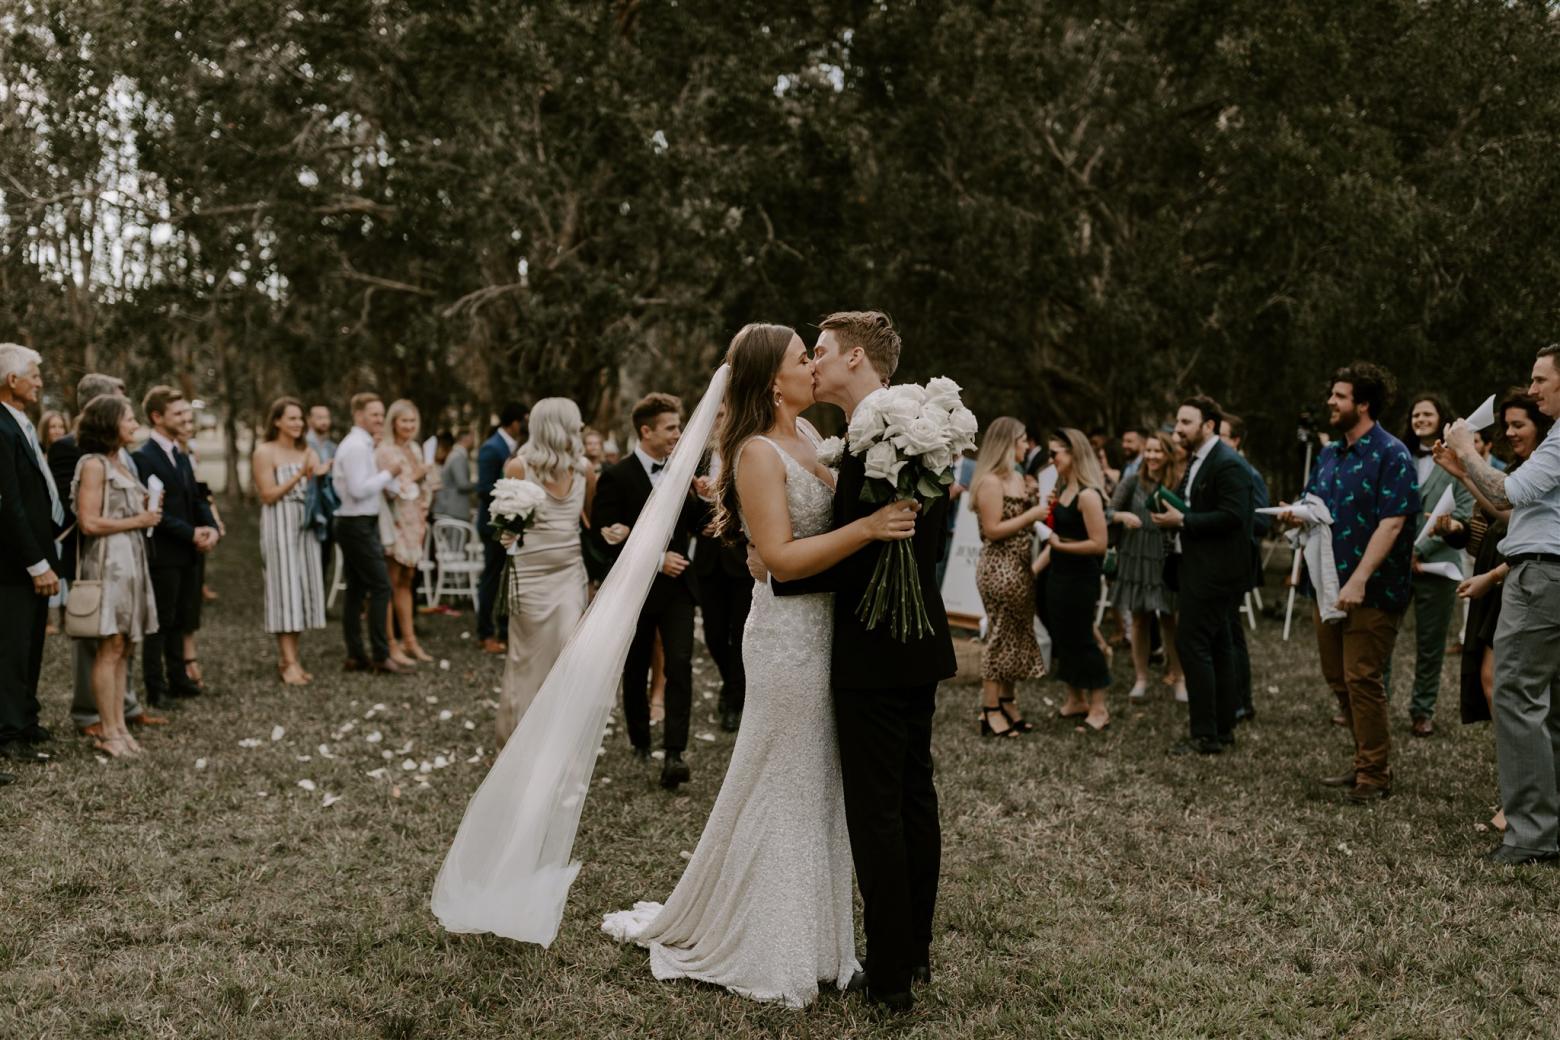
(1366, 478)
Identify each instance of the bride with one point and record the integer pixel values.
(764, 907)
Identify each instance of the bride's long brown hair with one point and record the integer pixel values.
(755, 356)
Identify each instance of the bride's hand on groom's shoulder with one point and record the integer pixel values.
(893, 522)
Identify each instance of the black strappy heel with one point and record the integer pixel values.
(1018, 725)
(986, 729)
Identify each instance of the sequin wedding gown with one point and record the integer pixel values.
(764, 906)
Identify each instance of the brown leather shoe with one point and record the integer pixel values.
(146, 718)
(1341, 780)
(493, 646)
(95, 731)
(355, 664)
(1423, 727)
(1362, 793)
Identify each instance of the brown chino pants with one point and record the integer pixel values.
(1354, 653)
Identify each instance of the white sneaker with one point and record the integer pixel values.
(1139, 692)
(1180, 693)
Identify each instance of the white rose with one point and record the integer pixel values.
(831, 451)
(883, 462)
(922, 434)
(866, 426)
(944, 393)
(938, 459)
(900, 407)
(964, 428)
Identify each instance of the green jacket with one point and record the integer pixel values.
(1433, 548)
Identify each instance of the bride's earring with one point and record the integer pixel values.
(778, 399)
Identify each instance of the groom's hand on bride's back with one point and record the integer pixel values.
(755, 565)
(894, 522)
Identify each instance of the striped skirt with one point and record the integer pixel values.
(294, 571)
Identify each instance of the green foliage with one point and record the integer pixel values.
(1079, 210)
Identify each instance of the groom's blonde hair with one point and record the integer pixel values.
(872, 331)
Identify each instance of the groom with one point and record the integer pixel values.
(884, 690)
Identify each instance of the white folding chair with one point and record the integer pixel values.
(1104, 603)
(426, 567)
(459, 568)
(338, 581)
(1249, 610)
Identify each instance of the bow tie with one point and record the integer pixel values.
(656, 467)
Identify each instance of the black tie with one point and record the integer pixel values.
(656, 467)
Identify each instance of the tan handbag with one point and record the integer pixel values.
(84, 601)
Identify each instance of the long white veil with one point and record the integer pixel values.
(508, 871)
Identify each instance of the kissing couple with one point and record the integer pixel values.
(833, 762)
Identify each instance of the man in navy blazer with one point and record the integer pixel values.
(31, 516)
(495, 451)
(186, 532)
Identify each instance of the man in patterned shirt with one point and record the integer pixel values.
(1367, 479)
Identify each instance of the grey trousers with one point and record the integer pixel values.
(1527, 722)
(83, 706)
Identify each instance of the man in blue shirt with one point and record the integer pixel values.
(1367, 479)
(1527, 640)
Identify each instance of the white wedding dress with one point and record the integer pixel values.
(764, 906)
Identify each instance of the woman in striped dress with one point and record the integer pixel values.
(294, 575)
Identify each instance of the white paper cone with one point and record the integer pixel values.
(1483, 417)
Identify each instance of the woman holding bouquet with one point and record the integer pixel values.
(546, 576)
(1008, 509)
(1078, 543)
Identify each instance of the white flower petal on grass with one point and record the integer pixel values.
(604, 780)
(474, 758)
(446, 715)
(405, 749)
(431, 699)
(425, 767)
(387, 754)
(249, 742)
(444, 666)
(324, 750)
(277, 733)
(409, 764)
(440, 762)
(658, 755)
(304, 758)
(469, 724)
(465, 635)
(706, 736)
(685, 854)
(307, 785)
(374, 737)
(379, 774)
(1272, 689)
(200, 763)
(329, 800)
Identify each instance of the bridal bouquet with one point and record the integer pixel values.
(910, 437)
(511, 508)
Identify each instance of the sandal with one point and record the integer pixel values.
(1020, 725)
(195, 678)
(988, 730)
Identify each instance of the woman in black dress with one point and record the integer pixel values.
(1077, 548)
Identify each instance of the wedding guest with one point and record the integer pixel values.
(1367, 474)
(1111, 464)
(1132, 451)
(496, 451)
(547, 573)
(595, 449)
(283, 467)
(1527, 640)
(725, 595)
(320, 441)
(1077, 547)
(31, 515)
(51, 427)
(198, 593)
(64, 454)
(669, 608)
(360, 487)
(453, 499)
(1486, 450)
(113, 508)
(1232, 431)
(1139, 589)
(407, 505)
(1008, 508)
(1212, 565)
(1525, 428)
(186, 531)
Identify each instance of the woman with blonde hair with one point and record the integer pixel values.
(546, 573)
(1140, 589)
(1008, 509)
(404, 524)
(1077, 548)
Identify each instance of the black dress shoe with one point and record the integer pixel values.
(642, 753)
(730, 719)
(897, 1003)
(674, 771)
(1341, 780)
(921, 975)
(1360, 794)
(1200, 746)
(186, 691)
(37, 735)
(17, 751)
(1245, 714)
(6, 778)
(1511, 856)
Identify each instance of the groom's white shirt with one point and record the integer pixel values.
(649, 464)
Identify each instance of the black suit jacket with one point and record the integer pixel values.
(26, 514)
(621, 493)
(1216, 532)
(875, 660)
(63, 457)
(173, 539)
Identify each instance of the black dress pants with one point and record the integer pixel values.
(1207, 652)
(669, 611)
(725, 601)
(162, 658)
(494, 557)
(21, 658)
(363, 556)
(885, 741)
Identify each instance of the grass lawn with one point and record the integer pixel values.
(1092, 886)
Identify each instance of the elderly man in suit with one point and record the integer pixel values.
(31, 516)
(1212, 569)
(495, 451)
(187, 530)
